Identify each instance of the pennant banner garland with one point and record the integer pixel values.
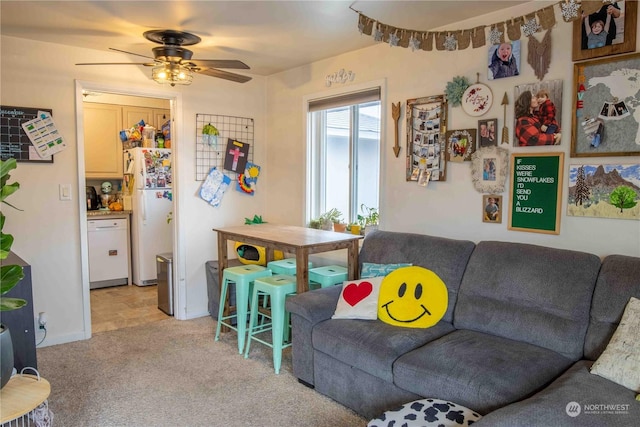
(513, 29)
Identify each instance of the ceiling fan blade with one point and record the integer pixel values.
(146, 64)
(220, 63)
(224, 75)
(131, 53)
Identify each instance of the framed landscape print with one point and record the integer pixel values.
(604, 191)
(606, 115)
(620, 21)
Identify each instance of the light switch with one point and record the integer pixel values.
(65, 191)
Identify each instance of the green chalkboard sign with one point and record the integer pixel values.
(536, 191)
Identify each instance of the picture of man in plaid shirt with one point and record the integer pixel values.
(528, 126)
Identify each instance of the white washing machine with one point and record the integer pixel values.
(108, 254)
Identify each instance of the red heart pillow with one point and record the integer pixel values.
(355, 292)
(359, 299)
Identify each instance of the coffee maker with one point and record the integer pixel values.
(93, 203)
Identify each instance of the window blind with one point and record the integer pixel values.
(346, 99)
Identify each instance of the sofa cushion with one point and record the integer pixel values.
(617, 282)
(412, 297)
(371, 346)
(445, 257)
(371, 269)
(478, 370)
(359, 299)
(427, 413)
(529, 293)
(577, 398)
(620, 361)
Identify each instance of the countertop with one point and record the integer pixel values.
(104, 213)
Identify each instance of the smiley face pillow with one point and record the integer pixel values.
(412, 297)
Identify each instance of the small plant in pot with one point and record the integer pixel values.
(329, 218)
(10, 275)
(369, 219)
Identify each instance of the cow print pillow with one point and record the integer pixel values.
(427, 413)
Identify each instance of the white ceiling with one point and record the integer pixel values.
(269, 36)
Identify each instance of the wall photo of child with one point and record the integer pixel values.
(504, 60)
(492, 208)
(545, 116)
(603, 27)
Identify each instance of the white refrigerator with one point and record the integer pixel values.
(147, 179)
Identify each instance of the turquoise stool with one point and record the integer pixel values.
(328, 275)
(243, 276)
(285, 266)
(277, 288)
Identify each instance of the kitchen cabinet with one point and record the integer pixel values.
(152, 116)
(102, 126)
(160, 117)
(102, 145)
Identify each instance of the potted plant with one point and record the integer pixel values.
(329, 218)
(10, 275)
(354, 228)
(369, 218)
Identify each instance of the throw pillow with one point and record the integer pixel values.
(370, 269)
(427, 412)
(619, 362)
(412, 297)
(359, 299)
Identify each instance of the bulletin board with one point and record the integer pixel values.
(229, 127)
(14, 141)
(536, 192)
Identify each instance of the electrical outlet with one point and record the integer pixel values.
(42, 320)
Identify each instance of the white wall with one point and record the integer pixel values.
(452, 208)
(47, 231)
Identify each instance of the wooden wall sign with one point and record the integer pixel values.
(536, 192)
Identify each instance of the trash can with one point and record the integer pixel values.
(164, 267)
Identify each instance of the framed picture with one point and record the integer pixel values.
(461, 144)
(426, 148)
(619, 20)
(492, 208)
(476, 99)
(489, 169)
(536, 192)
(604, 191)
(487, 133)
(549, 113)
(605, 107)
(504, 60)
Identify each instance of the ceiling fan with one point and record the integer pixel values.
(173, 64)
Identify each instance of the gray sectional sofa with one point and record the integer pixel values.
(523, 325)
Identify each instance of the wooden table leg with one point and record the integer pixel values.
(352, 262)
(223, 263)
(302, 271)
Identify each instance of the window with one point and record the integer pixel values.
(344, 148)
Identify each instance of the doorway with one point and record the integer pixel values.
(112, 297)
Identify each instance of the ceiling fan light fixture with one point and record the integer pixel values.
(172, 74)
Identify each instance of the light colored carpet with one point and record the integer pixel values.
(173, 373)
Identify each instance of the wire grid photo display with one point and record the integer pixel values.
(212, 153)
